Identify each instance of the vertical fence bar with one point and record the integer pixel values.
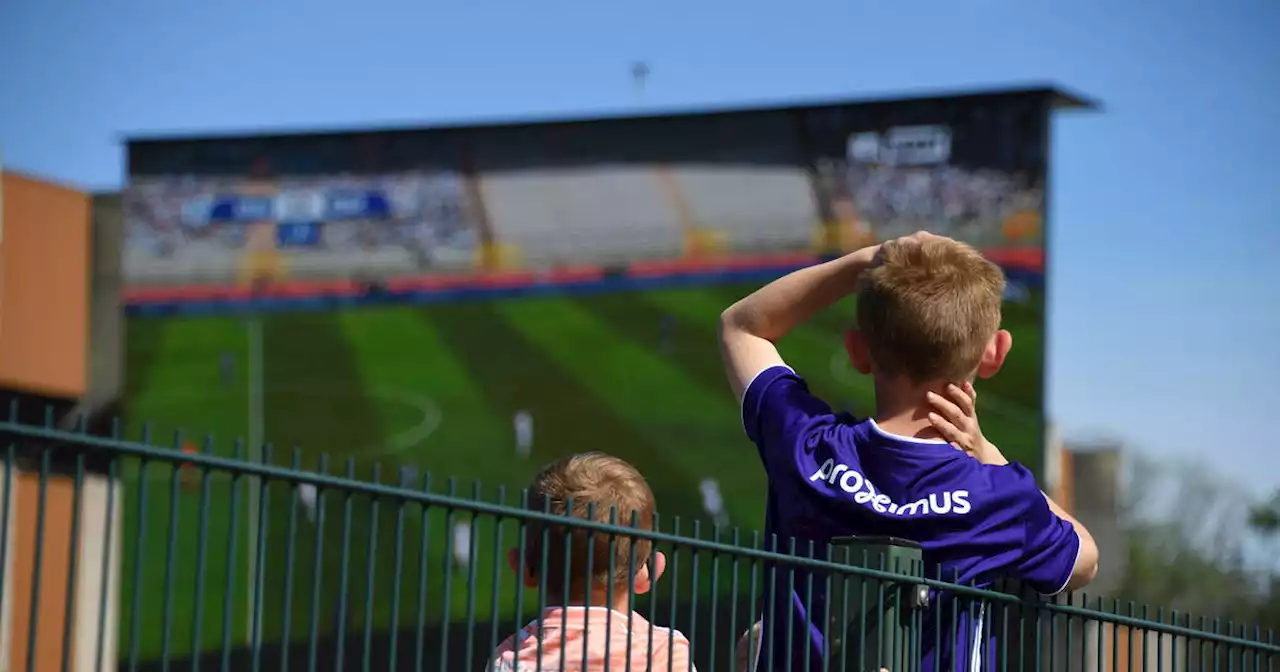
(1115, 637)
(1231, 650)
(105, 597)
(653, 590)
(693, 591)
(753, 646)
(609, 589)
(1102, 628)
(393, 646)
(1271, 641)
(543, 572)
(1129, 633)
(715, 597)
(10, 464)
(1146, 643)
(496, 578)
(371, 556)
(260, 561)
(1160, 641)
(139, 539)
(566, 581)
(733, 605)
(808, 615)
(588, 575)
(844, 612)
(1004, 639)
(1052, 637)
(290, 552)
(881, 589)
(522, 547)
(675, 583)
(424, 547)
(1199, 641)
(472, 539)
(166, 610)
(344, 568)
(770, 582)
(33, 653)
(1084, 630)
(313, 627)
(826, 609)
(632, 561)
(447, 603)
(233, 534)
(1039, 650)
(73, 557)
(202, 542)
(791, 612)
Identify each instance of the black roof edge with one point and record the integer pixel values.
(1063, 99)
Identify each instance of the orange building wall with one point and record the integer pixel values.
(44, 286)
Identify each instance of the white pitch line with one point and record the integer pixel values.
(432, 416)
(394, 445)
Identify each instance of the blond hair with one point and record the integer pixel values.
(928, 307)
(602, 488)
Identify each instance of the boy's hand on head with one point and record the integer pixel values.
(955, 416)
(868, 255)
(913, 239)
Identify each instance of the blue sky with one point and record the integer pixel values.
(1165, 242)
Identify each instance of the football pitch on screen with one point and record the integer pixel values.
(435, 389)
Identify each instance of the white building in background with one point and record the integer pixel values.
(1086, 479)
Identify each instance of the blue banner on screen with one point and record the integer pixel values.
(295, 207)
(239, 209)
(298, 234)
(356, 205)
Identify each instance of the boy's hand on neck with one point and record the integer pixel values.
(954, 415)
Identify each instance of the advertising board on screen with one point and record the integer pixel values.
(221, 229)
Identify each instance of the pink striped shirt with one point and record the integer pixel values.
(592, 639)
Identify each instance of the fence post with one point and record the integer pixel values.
(882, 628)
(8, 476)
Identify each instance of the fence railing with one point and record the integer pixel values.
(121, 554)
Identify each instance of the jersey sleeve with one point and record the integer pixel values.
(1049, 545)
(779, 413)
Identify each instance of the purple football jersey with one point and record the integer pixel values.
(831, 475)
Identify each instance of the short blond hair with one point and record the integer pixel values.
(927, 308)
(601, 487)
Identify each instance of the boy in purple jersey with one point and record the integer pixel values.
(928, 316)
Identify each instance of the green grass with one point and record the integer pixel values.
(364, 386)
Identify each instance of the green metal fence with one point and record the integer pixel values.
(126, 554)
